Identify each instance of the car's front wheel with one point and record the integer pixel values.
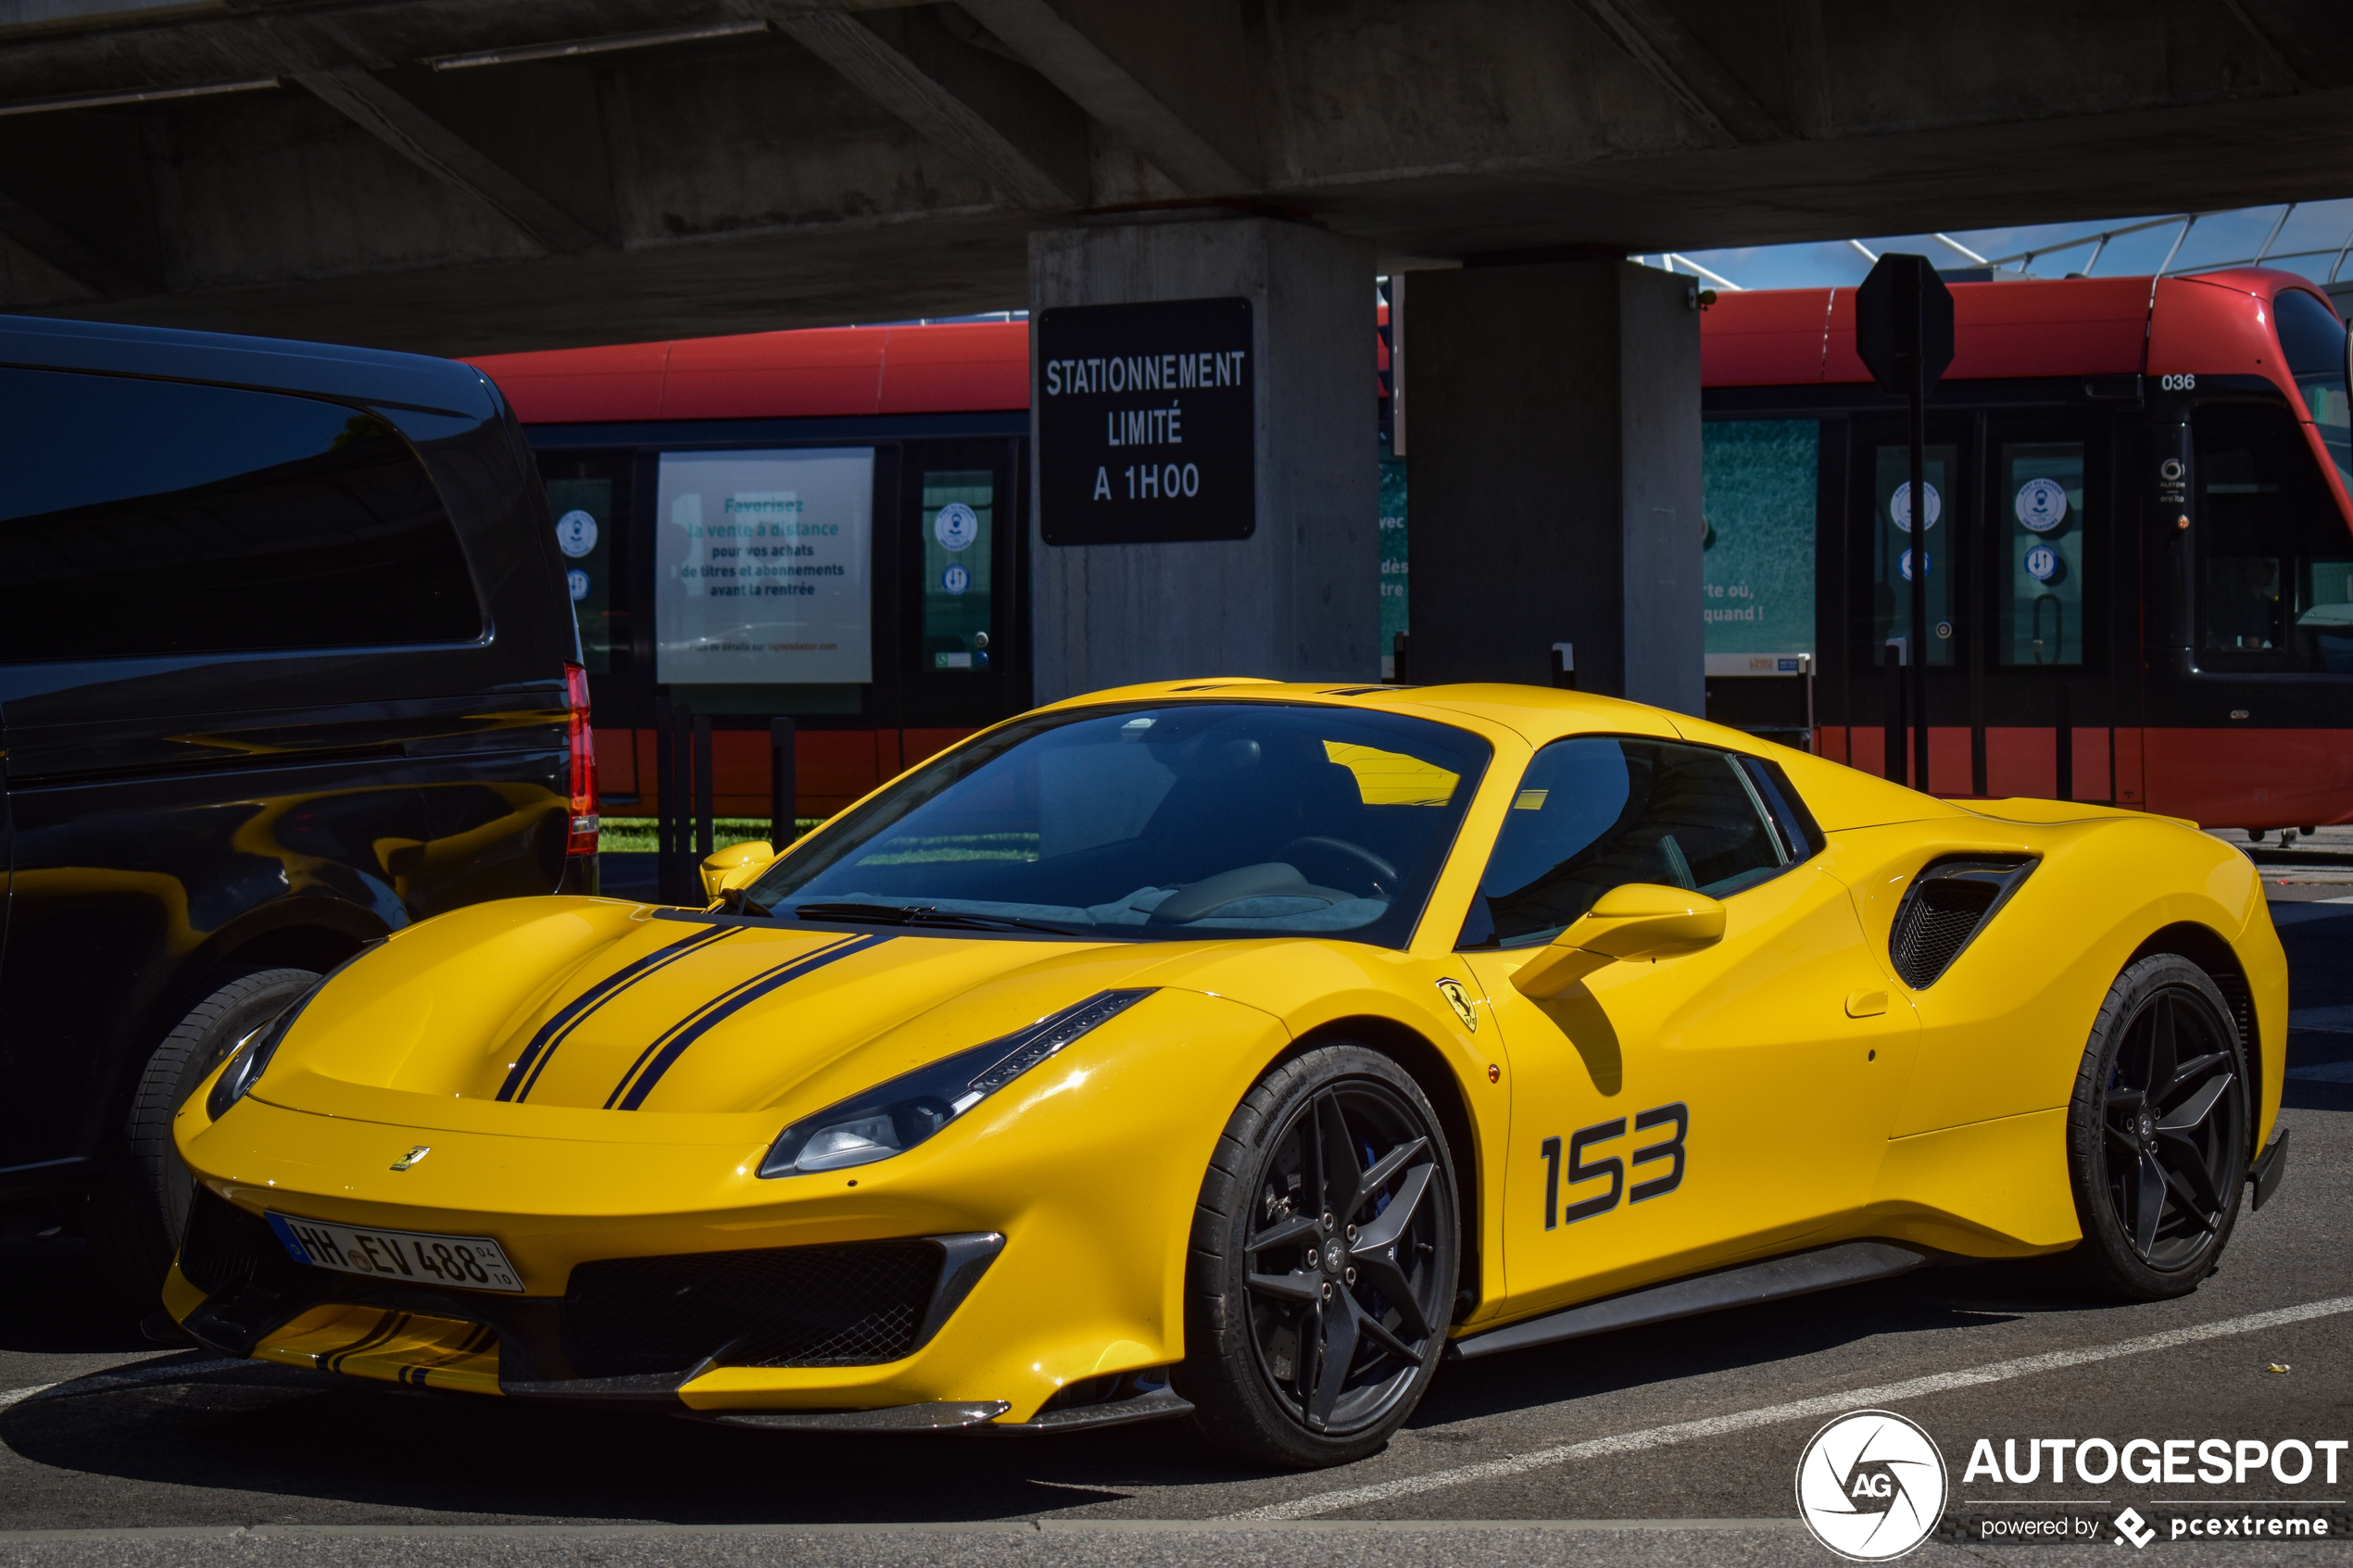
(1321, 1279)
(2158, 1132)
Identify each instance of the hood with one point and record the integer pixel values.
(484, 1017)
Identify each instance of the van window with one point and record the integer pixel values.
(143, 518)
(2275, 562)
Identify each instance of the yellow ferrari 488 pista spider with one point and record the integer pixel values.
(1243, 1049)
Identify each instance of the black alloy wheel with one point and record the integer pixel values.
(2159, 1132)
(1323, 1262)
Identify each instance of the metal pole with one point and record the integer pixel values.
(665, 797)
(784, 785)
(1892, 699)
(703, 844)
(1919, 644)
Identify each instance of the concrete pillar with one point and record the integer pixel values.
(1554, 477)
(1300, 598)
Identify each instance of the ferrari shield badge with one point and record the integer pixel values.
(412, 1157)
(1460, 1000)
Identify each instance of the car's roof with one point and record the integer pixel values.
(370, 375)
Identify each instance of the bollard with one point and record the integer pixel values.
(1565, 667)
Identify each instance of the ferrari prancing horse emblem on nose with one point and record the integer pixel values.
(1461, 1001)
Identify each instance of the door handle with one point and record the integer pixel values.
(1866, 1004)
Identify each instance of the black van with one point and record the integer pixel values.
(288, 661)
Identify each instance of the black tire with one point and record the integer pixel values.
(2156, 1134)
(1259, 1344)
(140, 1205)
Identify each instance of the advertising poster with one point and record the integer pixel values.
(1757, 482)
(761, 567)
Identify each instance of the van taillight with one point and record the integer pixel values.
(582, 840)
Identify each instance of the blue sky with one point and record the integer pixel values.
(2309, 243)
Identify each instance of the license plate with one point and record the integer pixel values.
(472, 1262)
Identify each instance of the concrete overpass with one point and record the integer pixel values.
(479, 175)
(455, 175)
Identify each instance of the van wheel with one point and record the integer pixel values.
(1321, 1280)
(140, 1206)
(2156, 1144)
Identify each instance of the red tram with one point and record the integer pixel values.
(2139, 540)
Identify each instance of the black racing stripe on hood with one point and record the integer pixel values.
(657, 1058)
(534, 1059)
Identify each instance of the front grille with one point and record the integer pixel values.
(225, 1249)
(1942, 910)
(854, 1305)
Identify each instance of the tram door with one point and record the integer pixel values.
(2015, 550)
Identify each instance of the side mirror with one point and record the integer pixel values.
(734, 865)
(1638, 920)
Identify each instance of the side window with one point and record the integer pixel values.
(146, 517)
(2275, 560)
(1597, 811)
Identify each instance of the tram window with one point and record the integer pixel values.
(583, 510)
(958, 536)
(148, 517)
(2275, 563)
(1892, 554)
(2039, 519)
(2313, 340)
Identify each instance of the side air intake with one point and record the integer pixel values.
(1944, 908)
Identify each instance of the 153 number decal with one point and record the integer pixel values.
(1582, 1170)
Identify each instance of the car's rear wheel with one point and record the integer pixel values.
(139, 1208)
(1321, 1280)
(2158, 1132)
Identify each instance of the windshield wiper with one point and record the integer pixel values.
(923, 914)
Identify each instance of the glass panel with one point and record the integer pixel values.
(145, 517)
(1892, 549)
(2040, 524)
(1170, 822)
(2313, 340)
(583, 509)
(1757, 486)
(2275, 564)
(1598, 811)
(761, 570)
(960, 536)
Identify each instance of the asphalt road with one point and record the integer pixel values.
(1671, 1445)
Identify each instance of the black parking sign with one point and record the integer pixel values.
(1146, 422)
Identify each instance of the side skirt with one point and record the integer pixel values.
(1800, 1274)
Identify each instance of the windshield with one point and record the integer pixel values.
(1195, 819)
(2314, 341)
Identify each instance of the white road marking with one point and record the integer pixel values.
(10, 1396)
(1796, 1410)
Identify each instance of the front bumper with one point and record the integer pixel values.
(626, 1330)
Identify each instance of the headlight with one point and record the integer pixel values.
(251, 1055)
(895, 1116)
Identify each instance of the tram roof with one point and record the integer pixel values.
(1760, 337)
